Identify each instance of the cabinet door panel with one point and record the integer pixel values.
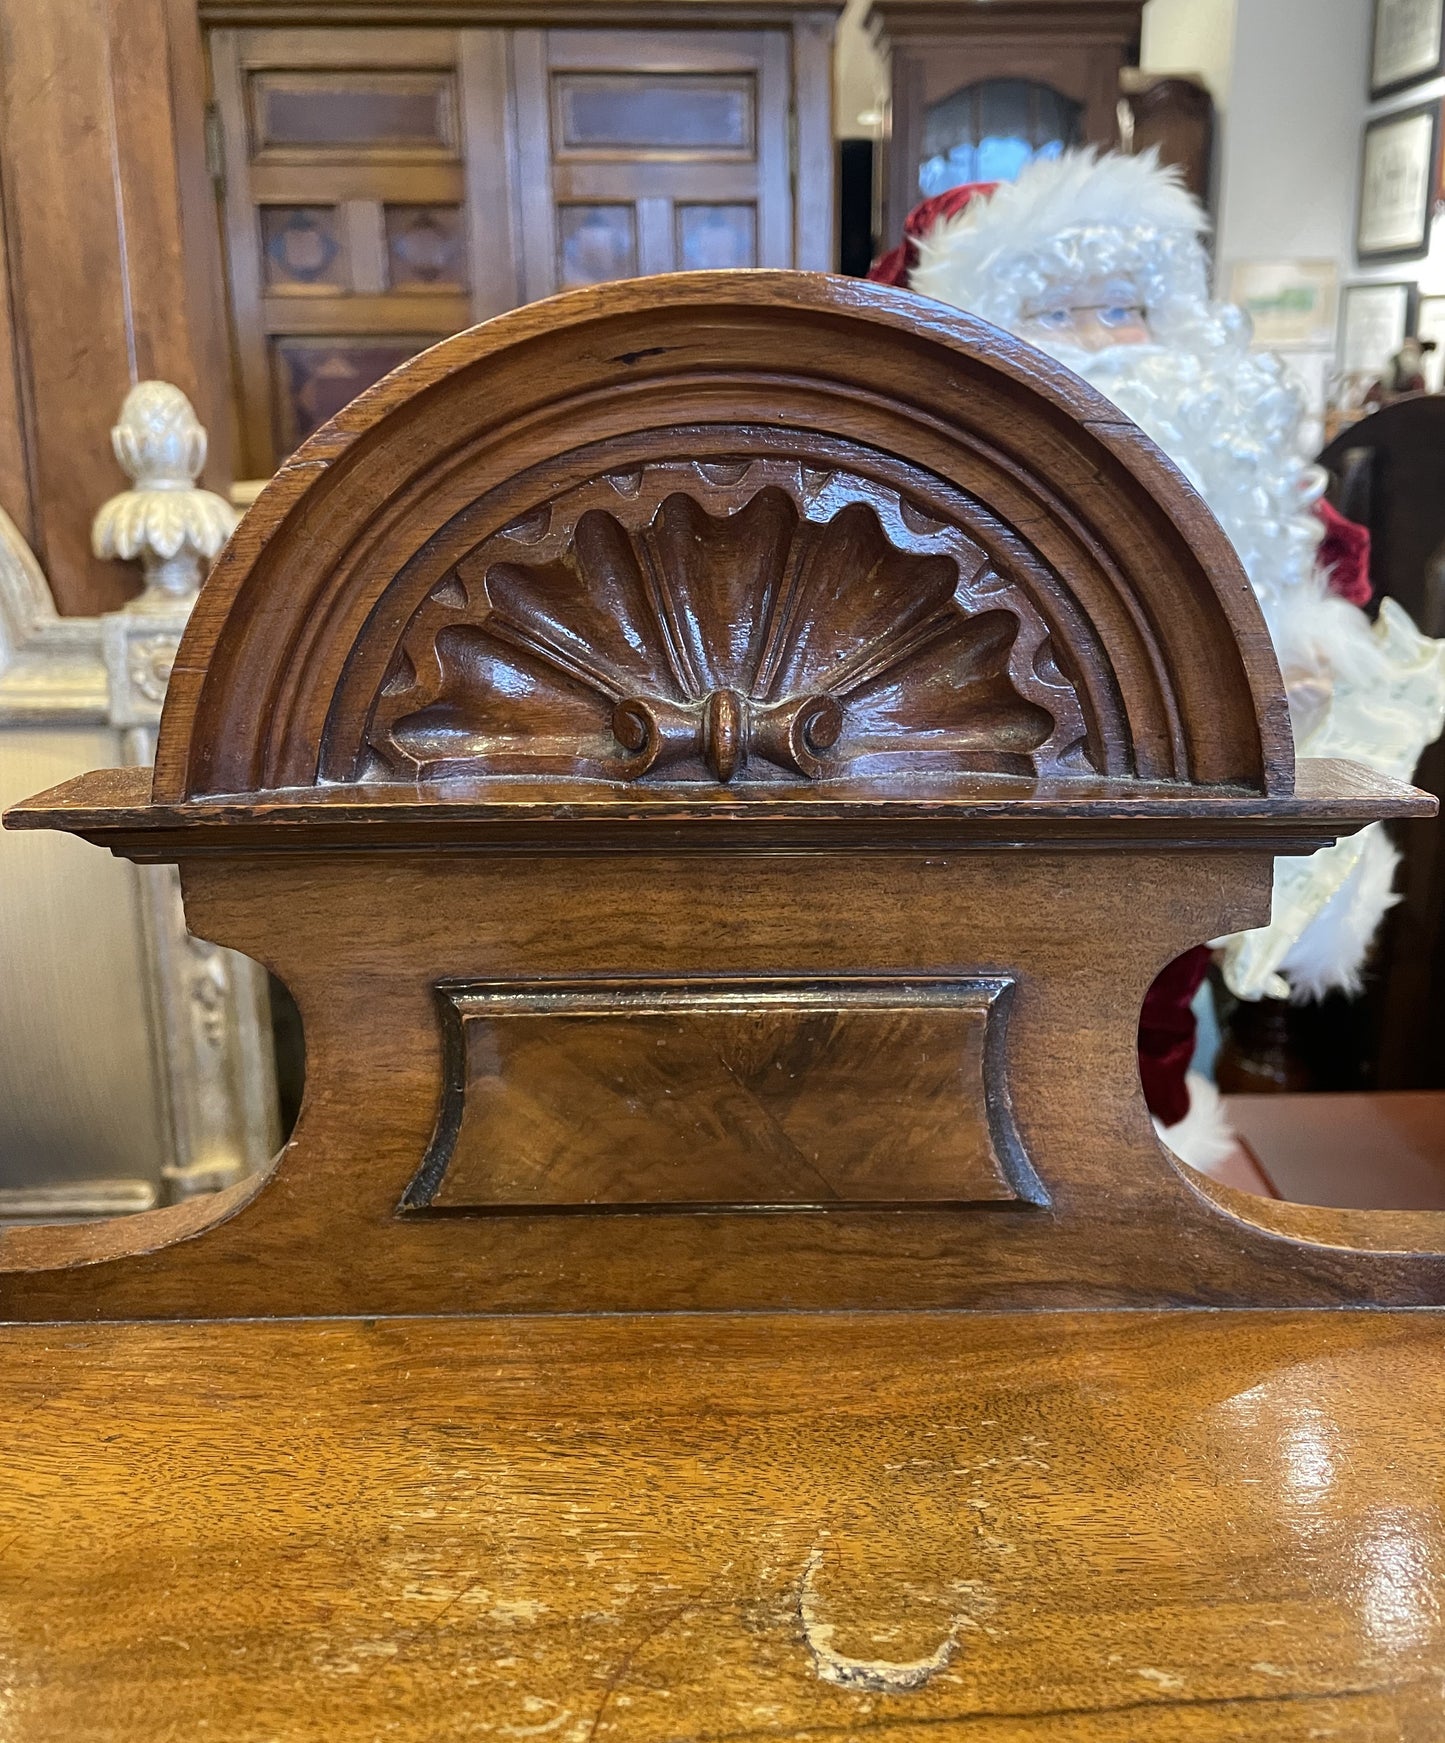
(710, 237)
(596, 243)
(686, 131)
(400, 112)
(367, 202)
(680, 114)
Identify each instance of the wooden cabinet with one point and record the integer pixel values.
(967, 74)
(384, 187)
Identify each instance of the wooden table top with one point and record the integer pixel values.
(1079, 1528)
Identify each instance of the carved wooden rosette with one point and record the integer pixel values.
(718, 762)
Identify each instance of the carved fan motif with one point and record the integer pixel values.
(705, 620)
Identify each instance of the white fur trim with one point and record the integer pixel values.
(1332, 949)
(1065, 219)
(1202, 1138)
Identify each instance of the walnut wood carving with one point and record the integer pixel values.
(659, 737)
(844, 400)
(711, 619)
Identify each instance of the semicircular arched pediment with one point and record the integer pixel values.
(810, 529)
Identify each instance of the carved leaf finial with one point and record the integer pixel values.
(164, 521)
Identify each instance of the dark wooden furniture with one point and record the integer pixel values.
(1063, 57)
(1175, 116)
(384, 186)
(1388, 473)
(718, 761)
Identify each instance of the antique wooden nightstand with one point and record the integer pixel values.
(718, 760)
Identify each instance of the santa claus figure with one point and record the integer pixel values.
(1099, 261)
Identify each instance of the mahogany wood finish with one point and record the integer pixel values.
(1095, 1528)
(718, 761)
(645, 1094)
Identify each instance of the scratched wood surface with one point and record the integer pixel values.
(1097, 1528)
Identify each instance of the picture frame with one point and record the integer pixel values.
(1407, 44)
(1398, 179)
(1429, 324)
(1294, 304)
(1376, 320)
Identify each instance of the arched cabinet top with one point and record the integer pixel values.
(762, 529)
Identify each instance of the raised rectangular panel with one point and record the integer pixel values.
(315, 375)
(711, 237)
(679, 114)
(303, 249)
(650, 1094)
(425, 247)
(409, 112)
(595, 244)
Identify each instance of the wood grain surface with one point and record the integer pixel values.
(1109, 1528)
(750, 1093)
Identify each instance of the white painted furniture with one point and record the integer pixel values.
(135, 1060)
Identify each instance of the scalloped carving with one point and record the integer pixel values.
(718, 621)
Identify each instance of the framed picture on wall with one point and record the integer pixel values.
(1409, 44)
(1430, 328)
(1397, 185)
(1292, 303)
(1376, 319)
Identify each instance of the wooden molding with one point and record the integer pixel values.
(1033, 21)
(522, 14)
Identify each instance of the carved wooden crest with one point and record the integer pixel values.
(718, 763)
(758, 532)
(748, 617)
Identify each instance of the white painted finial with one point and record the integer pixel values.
(174, 529)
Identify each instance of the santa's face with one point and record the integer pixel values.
(1094, 315)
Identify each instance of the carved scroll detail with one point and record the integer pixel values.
(749, 618)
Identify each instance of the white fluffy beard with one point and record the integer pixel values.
(1230, 420)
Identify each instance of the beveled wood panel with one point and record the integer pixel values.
(761, 1094)
(1178, 1528)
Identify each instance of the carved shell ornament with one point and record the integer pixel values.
(738, 619)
